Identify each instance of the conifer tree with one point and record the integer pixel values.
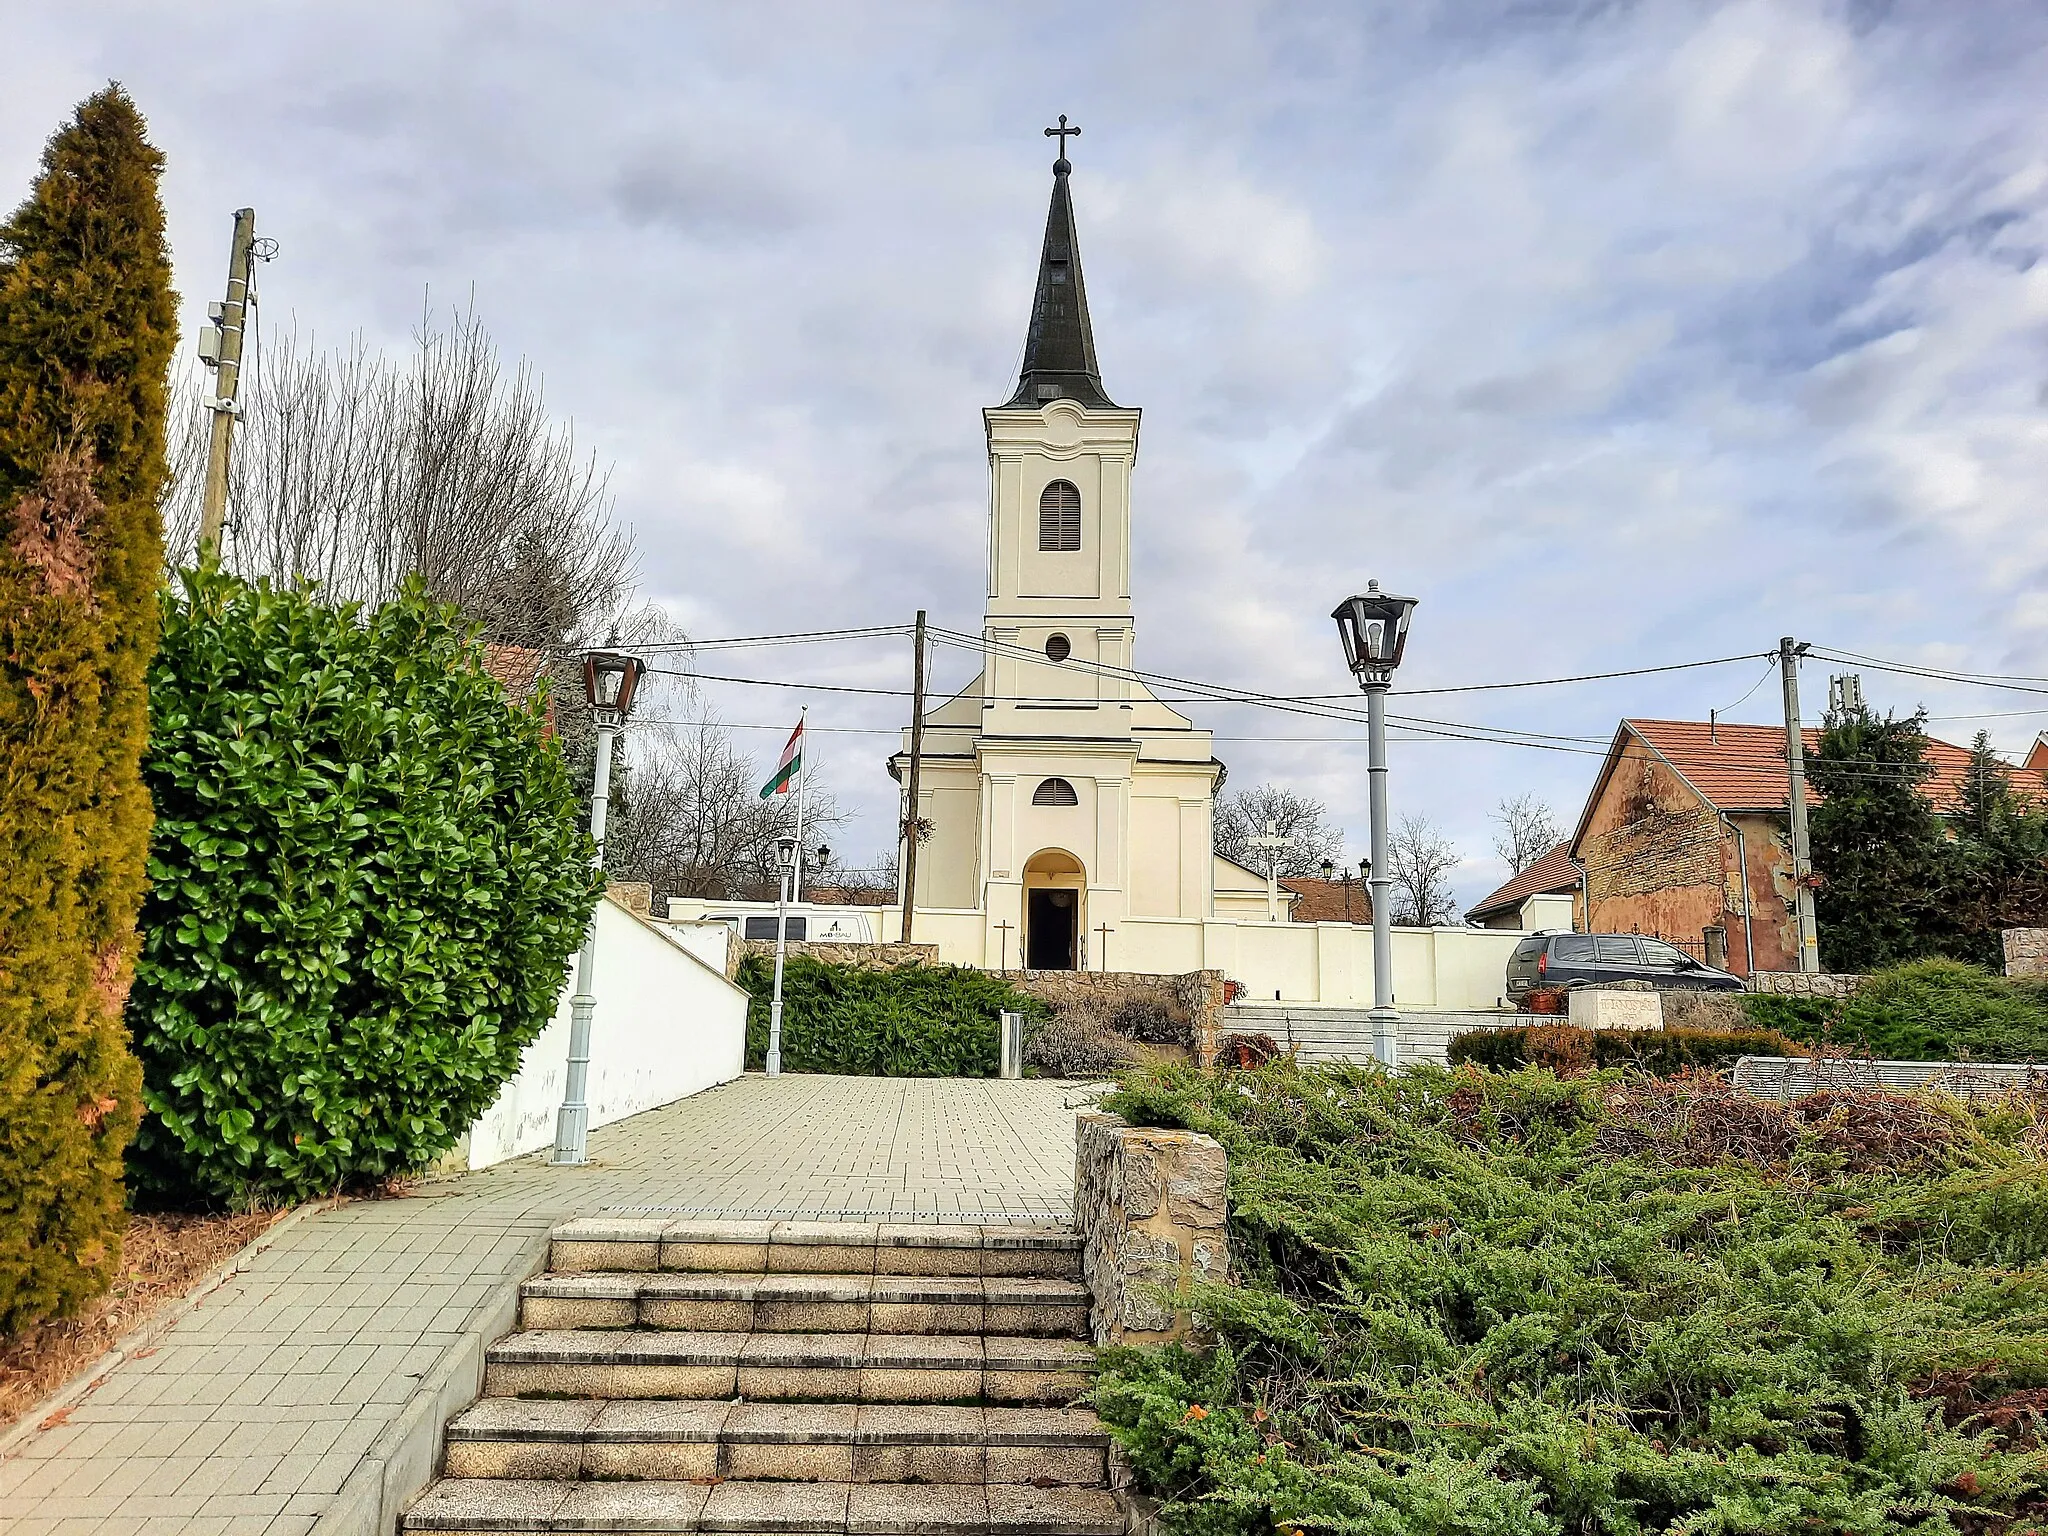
(2001, 856)
(88, 323)
(1878, 846)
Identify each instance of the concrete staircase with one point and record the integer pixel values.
(787, 1377)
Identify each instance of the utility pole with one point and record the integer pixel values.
(1789, 652)
(911, 803)
(224, 342)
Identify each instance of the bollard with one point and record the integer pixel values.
(1013, 1046)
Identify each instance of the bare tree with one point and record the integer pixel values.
(1242, 816)
(1422, 858)
(698, 825)
(354, 472)
(1528, 830)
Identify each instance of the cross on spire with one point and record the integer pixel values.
(1061, 133)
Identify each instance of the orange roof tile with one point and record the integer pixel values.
(1742, 767)
(1327, 901)
(1549, 875)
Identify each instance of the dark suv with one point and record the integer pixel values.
(1573, 959)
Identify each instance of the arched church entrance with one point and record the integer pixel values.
(1055, 886)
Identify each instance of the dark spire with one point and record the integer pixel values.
(1059, 351)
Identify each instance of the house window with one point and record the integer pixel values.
(1055, 792)
(1059, 517)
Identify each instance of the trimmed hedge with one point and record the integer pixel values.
(913, 1021)
(88, 323)
(368, 874)
(1660, 1052)
(1931, 1010)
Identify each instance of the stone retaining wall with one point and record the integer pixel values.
(1193, 999)
(2026, 952)
(862, 957)
(1797, 984)
(1150, 1206)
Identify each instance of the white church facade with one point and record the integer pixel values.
(1067, 814)
(1061, 798)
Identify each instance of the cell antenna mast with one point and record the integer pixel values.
(220, 348)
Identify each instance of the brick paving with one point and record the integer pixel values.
(256, 1405)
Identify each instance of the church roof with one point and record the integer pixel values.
(1059, 349)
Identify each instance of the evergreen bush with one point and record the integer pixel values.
(368, 874)
(1931, 1010)
(1479, 1304)
(88, 323)
(910, 1021)
(1659, 1052)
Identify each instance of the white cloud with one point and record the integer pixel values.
(1620, 334)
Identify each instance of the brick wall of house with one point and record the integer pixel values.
(1660, 860)
(1653, 856)
(1773, 923)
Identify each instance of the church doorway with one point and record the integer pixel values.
(1054, 883)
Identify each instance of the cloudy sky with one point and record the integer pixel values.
(1621, 334)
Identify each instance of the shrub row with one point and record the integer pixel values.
(913, 1021)
(1659, 1052)
(1932, 1010)
(1504, 1304)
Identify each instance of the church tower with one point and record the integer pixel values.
(1066, 805)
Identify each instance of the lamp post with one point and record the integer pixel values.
(608, 683)
(785, 863)
(1374, 628)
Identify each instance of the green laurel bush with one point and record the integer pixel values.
(908, 1021)
(367, 876)
(1659, 1052)
(1467, 1305)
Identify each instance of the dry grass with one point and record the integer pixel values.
(162, 1257)
(1700, 1120)
(1719, 1013)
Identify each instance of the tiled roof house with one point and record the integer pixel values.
(1684, 836)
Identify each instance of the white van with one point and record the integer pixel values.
(807, 923)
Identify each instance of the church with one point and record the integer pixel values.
(1062, 805)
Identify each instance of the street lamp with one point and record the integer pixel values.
(785, 865)
(608, 683)
(1374, 628)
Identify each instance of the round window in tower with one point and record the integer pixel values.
(1058, 648)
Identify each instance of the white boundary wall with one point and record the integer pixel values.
(1327, 963)
(668, 1024)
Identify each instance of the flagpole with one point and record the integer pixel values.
(802, 773)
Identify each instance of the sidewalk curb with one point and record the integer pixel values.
(405, 1457)
(156, 1325)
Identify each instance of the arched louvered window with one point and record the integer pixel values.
(1059, 517)
(1055, 792)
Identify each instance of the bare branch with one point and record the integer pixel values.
(1421, 859)
(1242, 816)
(1528, 830)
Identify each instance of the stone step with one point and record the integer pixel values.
(509, 1437)
(645, 1243)
(789, 1367)
(835, 1509)
(808, 1303)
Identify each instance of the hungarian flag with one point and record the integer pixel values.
(791, 765)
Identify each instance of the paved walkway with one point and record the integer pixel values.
(253, 1410)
